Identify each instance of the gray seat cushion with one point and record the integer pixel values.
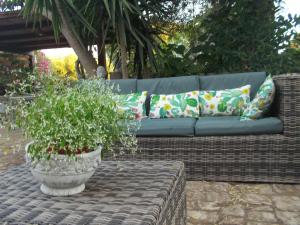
(167, 127)
(126, 86)
(231, 125)
(229, 81)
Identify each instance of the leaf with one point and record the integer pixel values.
(107, 7)
(202, 101)
(236, 93)
(162, 113)
(213, 93)
(174, 102)
(235, 103)
(180, 49)
(175, 112)
(154, 99)
(226, 99)
(222, 107)
(133, 98)
(183, 105)
(192, 102)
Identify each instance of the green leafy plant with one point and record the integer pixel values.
(74, 118)
(248, 35)
(133, 26)
(176, 60)
(24, 83)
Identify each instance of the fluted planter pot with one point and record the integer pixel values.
(62, 176)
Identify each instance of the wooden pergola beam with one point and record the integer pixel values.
(29, 48)
(25, 37)
(7, 15)
(19, 35)
(30, 39)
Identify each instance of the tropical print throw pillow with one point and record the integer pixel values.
(229, 102)
(174, 106)
(133, 104)
(262, 101)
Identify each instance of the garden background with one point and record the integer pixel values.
(180, 37)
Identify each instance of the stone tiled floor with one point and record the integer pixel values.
(11, 148)
(249, 204)
(209, 203)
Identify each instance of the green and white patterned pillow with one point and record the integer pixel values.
(229, 102)
(133, 104)
(262, 101)
(174, 106)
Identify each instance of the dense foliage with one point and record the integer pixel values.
(28, 83)
(248, 35)
(291, 57)
(231, 36)
(64, 66)
(132, 25)
(234, 36)
(176, 60)
(175, 37)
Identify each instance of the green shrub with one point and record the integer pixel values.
(72, 119)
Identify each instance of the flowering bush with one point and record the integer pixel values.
(64, 67)
(42, 63)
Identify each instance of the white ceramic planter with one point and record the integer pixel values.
(62, 176)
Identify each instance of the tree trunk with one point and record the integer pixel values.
(102, 34)
(101, 55)
(123, 51)
(85, 57)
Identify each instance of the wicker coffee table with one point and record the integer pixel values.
(125, 193)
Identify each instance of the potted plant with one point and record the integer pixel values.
(70, 125)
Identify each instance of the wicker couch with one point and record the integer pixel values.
(273, 157)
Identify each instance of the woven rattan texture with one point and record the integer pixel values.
(247, 158)
(288, 103)
(133, 193)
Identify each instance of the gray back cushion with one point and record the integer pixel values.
(229, 81)
(126, 86)
(170, 85)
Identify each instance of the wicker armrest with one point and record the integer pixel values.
(287, 103)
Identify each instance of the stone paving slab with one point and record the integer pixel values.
(11, 148)
(211, 203)
(208, 203)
